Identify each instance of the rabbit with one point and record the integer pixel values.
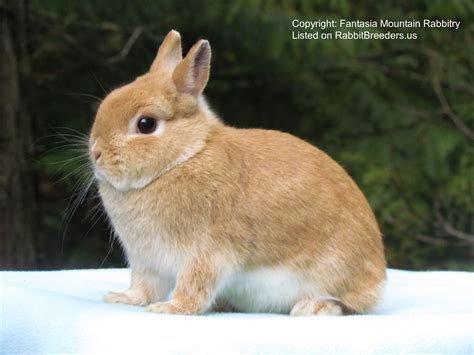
(215, 218)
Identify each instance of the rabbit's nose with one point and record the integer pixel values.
(97, 155)
(96, 151)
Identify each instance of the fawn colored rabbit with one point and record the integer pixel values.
(217, 218)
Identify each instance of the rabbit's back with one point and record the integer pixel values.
(290, 205)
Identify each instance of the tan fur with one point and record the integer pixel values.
(211, 212)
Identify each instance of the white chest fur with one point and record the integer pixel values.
(147, 245)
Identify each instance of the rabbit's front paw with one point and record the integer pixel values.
(127, 297)
(171, 308)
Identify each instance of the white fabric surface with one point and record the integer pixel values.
(62, 311)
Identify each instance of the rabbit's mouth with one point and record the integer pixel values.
(121, 182)
(102, 176)
(98, 175)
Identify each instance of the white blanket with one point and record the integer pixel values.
(62, 311)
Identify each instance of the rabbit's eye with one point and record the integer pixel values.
(146, 125)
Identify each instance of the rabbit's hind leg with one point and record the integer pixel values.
(318, 307)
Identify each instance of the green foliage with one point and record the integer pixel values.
(386, 110)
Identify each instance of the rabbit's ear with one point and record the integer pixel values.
(169, 53)
(192, 74)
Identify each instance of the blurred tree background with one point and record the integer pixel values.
(397, 114)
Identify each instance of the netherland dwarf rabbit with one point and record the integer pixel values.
(217, 218)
